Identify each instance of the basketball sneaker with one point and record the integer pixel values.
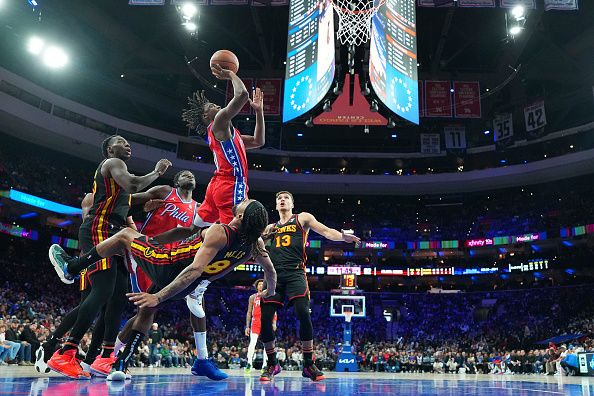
(42, 355)
(248, 368)
(59, 258)
(270, 372)
(67, 364)
(208, 368)
(313, 373)
(101, 367)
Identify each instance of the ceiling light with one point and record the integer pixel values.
(35, 45)
(55, 57)
(190, 26)
(189, 10)
(515, 30)
(518, 11)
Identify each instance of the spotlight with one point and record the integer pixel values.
(55, 57)
(374, 107)
(327, 106)
(366, 129)
(190, 26)
(515, 30)
(35, 45)
(487, 132)
(189, 10)
(391, 124)
(518, 12)
(365, 91)
(309, 122)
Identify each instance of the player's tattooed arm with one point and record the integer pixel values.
(214, 240)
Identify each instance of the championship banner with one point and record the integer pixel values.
(438, 99)
(435, 3)
(503, 127)
(146, 2)
(535, 116)
(467, 99)
(422, 99)
(430, 143)
(271, 89)
(476, 3)
(249, 84)
(530, 4)
(455, 137)
(564, 5)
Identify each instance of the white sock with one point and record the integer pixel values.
(118, 346)
(200, 340)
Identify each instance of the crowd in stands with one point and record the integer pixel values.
(478, 332)
(516, 211)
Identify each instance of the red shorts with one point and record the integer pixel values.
(138, 278)
(256, 327)
(222, 193)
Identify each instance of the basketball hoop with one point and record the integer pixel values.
(355, 19)
(348, 316)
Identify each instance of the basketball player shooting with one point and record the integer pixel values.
(228, 186)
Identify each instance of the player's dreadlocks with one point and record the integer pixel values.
(105, 145)
(253, 223)
(194, 116)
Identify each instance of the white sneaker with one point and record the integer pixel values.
(86, 367)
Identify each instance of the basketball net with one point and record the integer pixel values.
(354, 17)
(348, 316)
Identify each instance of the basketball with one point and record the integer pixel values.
(226, 59)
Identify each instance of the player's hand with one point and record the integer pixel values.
(257, 100)
(143, 300)
(153, 204)
(247, 332)
(220, 73)
(162, 165)
(269, 234)
(349, 238)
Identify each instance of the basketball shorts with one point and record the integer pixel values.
(222, 193)
(160, 265)
(88, 237)
(256, 327)
(291, 285)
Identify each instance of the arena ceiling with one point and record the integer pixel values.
(148, 47)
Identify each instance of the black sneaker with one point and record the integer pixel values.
(313, 373)
(270, 372)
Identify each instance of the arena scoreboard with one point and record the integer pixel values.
(393, 58)
(348, 281)
(310, 56)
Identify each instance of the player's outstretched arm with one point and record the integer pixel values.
(310, 222)
(259, 138)
(222, 121)
(117, 169)
(214, 240)
(153, 193)
(269, 272)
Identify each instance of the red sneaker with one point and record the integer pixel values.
(67, 364)
(102, 366)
